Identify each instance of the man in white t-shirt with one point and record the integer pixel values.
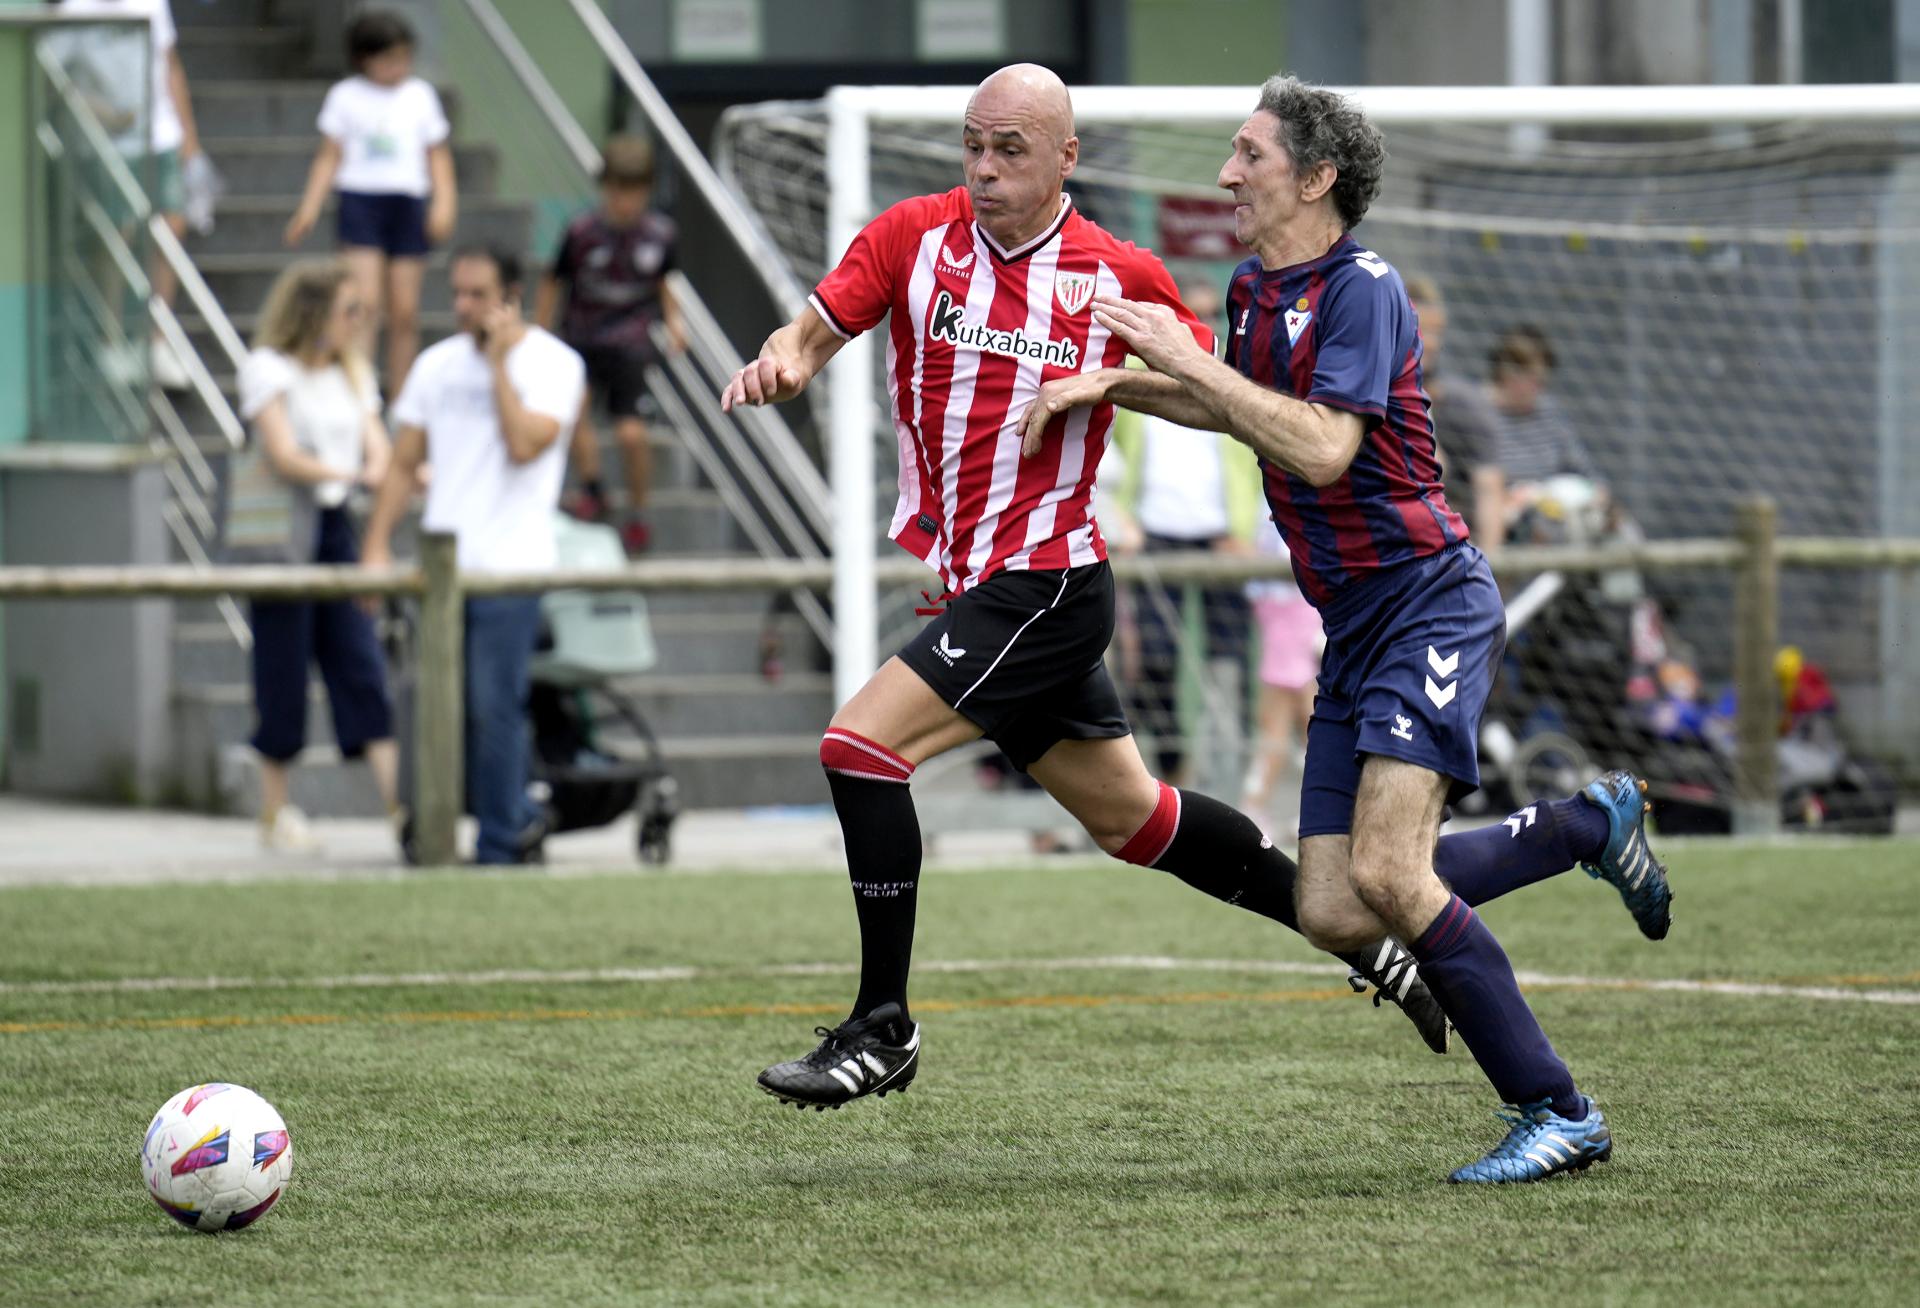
(111, 66)
(491, 407)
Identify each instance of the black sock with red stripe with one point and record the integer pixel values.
(882, 837)
(1218, 851)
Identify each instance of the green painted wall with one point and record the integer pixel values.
(1205, 42)
(495, 110)
(16, 132)
(15, 268)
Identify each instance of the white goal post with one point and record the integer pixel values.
(853, 125)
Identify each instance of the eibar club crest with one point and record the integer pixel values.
(1073, 290)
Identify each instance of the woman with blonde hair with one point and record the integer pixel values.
(315, 415)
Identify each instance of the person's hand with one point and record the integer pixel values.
(1233, 547)
(504, 328)
(374, 471)
(766, 380)
(299, 225)
(440, 222)
(1079, 391)
(1152, 331)
(1125, 535)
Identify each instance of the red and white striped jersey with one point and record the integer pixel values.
(975, 330)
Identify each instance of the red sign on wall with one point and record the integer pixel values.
(1197, 229)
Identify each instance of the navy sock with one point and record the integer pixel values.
(1469, 974)
(1540, 841)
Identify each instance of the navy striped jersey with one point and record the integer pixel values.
(1338, 331)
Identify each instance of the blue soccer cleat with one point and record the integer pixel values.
(1540, 1144)
(1628, 863)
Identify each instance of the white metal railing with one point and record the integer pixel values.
(788, 490)
(190, 518)
(761, 254)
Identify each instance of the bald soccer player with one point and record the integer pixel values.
(986, 291)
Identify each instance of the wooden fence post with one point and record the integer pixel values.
(439, 755)
(1756, 635)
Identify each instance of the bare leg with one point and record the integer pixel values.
(161, 274)
(1104, 784)
(637, 455)
(584, 452)
(368, 268)
(383, 760)
(1396, 820)
(273, 789)
(404, 277)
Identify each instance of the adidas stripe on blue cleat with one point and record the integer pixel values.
(1627, 863)
(1540, 1144)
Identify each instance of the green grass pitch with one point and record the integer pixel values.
(1087, 1127)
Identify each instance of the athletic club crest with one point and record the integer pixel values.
(1073, 290)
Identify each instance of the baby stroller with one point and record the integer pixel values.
(587, 639)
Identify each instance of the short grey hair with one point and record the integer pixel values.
(1321, 126)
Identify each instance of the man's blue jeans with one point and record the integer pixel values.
(501, 631)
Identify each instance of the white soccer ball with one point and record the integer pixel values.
(216, 1157)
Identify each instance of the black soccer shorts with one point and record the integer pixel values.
(1022, 656)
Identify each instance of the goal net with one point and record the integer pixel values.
(1729, 283)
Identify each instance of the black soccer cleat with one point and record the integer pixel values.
(873, 1055)
(1391, 971)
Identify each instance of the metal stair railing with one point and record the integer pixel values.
(759, 468)
(190, 517)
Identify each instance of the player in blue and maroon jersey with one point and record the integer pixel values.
(1322, 378)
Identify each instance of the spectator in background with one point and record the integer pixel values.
(1464, 420)
(492, 406)
(1291, 639)
(613, 262)
(1180, 490)
(1533, 440)
(113, 84)
(384, 151)
(315, 413)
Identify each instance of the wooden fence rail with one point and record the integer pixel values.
(1754, 555)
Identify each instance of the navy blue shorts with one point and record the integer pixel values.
(1411, 656)
(396, 224)
(336, 634)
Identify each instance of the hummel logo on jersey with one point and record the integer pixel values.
(1442, 695)
(1400, 727)
(960, 264)
(1375, 266)
(948, 323)
(948, 652)
(1241, 330)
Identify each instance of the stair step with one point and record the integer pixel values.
(252, 51)
(226, 108)
(254, 224)
(277, 165)
(193, 15)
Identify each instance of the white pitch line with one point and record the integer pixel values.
(1109, 963)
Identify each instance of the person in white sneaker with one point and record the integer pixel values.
(315, 413)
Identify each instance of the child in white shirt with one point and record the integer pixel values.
(384, 150)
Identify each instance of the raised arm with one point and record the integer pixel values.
(1315, 442)
(790, 359)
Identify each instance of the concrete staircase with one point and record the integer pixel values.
(730, 736)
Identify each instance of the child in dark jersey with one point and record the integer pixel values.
(613, 263)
